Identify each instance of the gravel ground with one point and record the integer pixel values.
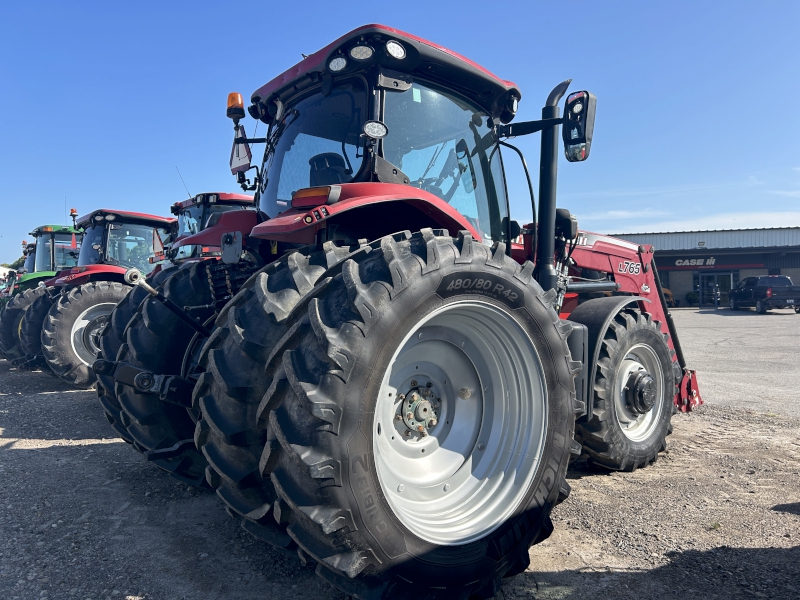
(718, 516)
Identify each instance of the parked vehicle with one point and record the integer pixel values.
(366, 396)
(56, 247)
(64, 324)
(765, 292)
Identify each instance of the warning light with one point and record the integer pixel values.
(235, 106)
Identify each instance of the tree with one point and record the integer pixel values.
(17, 264)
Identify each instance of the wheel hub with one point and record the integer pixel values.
(641, 392)
(418, 410)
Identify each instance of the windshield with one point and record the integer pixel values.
(196, 218)
(315, 143)
(66, 251)
(447, 147)
(126, 245)
(92, 237)
(30, 262)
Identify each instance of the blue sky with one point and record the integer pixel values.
(698, 110)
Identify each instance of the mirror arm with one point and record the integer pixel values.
(527, 127)
(247, 140)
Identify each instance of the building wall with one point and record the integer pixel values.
(793, 273)
(680, 284)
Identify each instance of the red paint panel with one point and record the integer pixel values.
(153, 220)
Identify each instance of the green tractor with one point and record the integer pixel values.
(56, 248)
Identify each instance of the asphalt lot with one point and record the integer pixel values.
(718, 516)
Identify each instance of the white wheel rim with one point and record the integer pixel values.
(472, 470)
(89, 323)
(638, 427)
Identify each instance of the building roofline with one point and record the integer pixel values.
(704, 231)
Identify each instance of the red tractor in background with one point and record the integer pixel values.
(63, 324)
(196, 249)
(398, 392)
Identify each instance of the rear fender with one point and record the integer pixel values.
(300, 226)
(80, 275)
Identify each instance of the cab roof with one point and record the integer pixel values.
(423, 58)
(126, 216)
(221, 197)
(42, 229)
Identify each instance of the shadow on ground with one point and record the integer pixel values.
(722, 572)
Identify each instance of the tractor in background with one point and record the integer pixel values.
(55, 247)
(397, 393)
(63, 325)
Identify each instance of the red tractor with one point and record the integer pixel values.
(63, 324)
(195, 250)
(398, 392)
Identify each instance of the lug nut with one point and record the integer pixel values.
(406, 433)
(409, 415)
(413, 383)
(433, 422)
(420, 428)
(401, 397)
(398, 418)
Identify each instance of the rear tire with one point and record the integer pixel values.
(31, 330)
(330, 419)
(158, 341)
(71, 331)
(621, 436)
(234, 382)
(733, 304)
(11, 320)
(761, 308)
(111, 339)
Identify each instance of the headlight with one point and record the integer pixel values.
(337, 64)
(395, 49)
(360, 52)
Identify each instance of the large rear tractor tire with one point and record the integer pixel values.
(419, 420)
(234, 381)
(11, 322)
(634, 388)
(71, 331)
(158, 341)
(112, 337)
(31, 329)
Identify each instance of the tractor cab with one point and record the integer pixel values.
(382, 106)
(57, 247)
(123, 239)
(200, 213)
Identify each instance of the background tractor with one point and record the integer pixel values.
(157, 429)
(397, 393)
(55, 247)
(63, 325)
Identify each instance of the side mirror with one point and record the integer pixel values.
(578, 125)
(240, 153)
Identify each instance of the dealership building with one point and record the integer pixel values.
(699, 260)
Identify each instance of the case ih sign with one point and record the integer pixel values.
(725, 262)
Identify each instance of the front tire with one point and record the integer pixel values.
(733, 305)
(71, 331)
(504, 398)
(634, 389)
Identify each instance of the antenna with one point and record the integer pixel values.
(182, 181)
